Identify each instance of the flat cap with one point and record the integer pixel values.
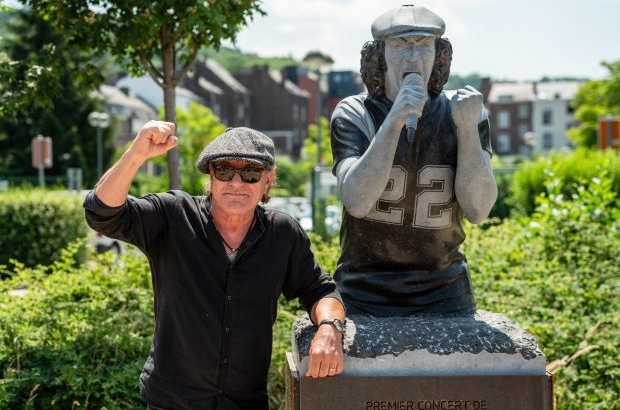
(241, 143)
(407, 20)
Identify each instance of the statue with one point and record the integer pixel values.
(411, 161)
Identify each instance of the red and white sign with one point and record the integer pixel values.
(41, 152)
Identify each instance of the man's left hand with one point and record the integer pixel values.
(326, 355)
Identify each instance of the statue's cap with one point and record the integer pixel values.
(407, 20)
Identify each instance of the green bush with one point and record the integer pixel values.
(557, 274)
(79, 336)
(37, 224)
(502, 207)
(570, 169)
(76, 337)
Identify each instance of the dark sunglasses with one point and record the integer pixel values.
(248, 175)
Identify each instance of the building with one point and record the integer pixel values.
(278, 108)
(146, 88)
(342, 84)
(129, 111)
(221, 92)
(553, 115)
(529, 117)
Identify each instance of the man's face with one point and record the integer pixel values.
(404, 55)
(236, 196)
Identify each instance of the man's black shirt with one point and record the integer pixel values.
(213, 334)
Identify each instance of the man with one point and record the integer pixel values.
(219, 262)
(410, 161)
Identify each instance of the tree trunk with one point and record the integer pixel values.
(174, 168)
(169, 87)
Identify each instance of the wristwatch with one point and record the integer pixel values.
(337, 323)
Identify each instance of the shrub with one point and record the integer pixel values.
(568, 169)
(558, 274)
(37, 224)
(76, 337)
(80, 335)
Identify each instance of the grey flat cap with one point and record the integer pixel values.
(407, 20)
(241, 143)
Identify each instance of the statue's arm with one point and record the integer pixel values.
(362, 178)
(475, 186)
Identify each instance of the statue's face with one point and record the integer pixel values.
(404, 55)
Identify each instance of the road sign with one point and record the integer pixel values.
(42, 152)
(609, 133)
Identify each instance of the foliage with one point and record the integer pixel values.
(80, 335)
(557, 274)
(53, 103)
(198, 126)
(569, 169)
(291, 178)
(236, 61)
(309, 151)
(37, 224)
(35, 63)
(159, 38)
(595, 100)
(456, 81)
(504, 174)
(75, 337)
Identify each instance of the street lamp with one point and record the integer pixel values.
(99, 120)
(318, 63)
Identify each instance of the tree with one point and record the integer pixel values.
(30, 77)
(161, 38)
(57, 107)
(594, 100)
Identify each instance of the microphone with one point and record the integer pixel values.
(412, 120)
(412, 124)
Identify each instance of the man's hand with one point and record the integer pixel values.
(154, 138)
(466, 105)
(325, 357)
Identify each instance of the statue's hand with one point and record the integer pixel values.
(466, 105)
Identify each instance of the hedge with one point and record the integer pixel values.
(37, 224)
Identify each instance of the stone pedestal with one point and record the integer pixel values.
(481, 361)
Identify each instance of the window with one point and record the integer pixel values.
(304, 114)
(547, 117)
(503, 119)
(240, 111)
(547, 140)
(524, 111)
(295, 112)
(503, 144)
(504, 98)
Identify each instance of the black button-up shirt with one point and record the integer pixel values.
(214, 317)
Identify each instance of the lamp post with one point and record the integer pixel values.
(99, 120)
(318, 63)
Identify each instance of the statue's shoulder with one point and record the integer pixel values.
(353, 110)
(353, 102)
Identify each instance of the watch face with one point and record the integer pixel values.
(338, 324)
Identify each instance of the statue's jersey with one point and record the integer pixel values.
(404, 256)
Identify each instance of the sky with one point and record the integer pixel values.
(503, 39)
